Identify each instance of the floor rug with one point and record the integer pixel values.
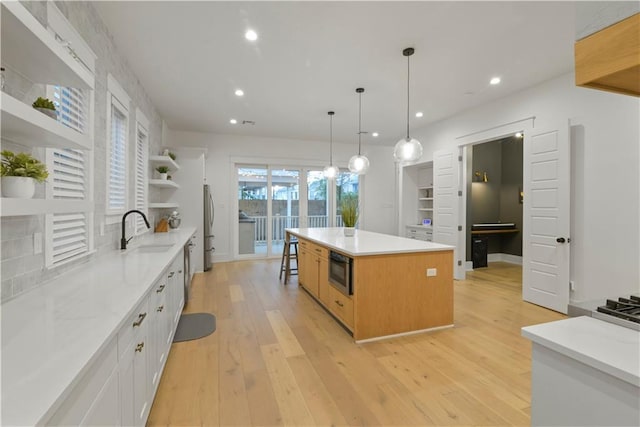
(194, 326)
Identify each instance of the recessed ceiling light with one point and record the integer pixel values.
(519, 135)
(251, 35)
(495, 80)
(419, 114)
(375, 134)
(233, 121)
(239, 92)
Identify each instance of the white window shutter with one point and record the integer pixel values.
(142, 151)
(117, 173)
(68, 233)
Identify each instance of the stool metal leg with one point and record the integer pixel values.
(285, 256)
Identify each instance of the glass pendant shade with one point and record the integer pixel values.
(408, 150)
(359, 164)
(330, 172)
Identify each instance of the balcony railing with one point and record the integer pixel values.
(280, 223)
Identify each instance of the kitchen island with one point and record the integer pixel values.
(398, 286)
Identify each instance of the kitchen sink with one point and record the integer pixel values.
(153, 248)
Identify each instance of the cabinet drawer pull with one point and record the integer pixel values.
(139, 347)
(171, 274)
(160, 289)
(339, 303)
(179, 271)
(318, 250)
(160, 308)
(140, 319)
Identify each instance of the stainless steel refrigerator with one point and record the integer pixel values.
(209, 214)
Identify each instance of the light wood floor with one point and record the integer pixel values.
(277, 358)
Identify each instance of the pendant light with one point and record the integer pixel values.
(330, 172)
(408, 149)
(359, 164)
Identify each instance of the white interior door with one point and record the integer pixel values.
(446, 204)
(545, 268)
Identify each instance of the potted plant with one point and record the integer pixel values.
(45, 106)
(349, 213)
(19, 174)
(162, 170)
(172, 155)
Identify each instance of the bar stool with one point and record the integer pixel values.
(287, 256)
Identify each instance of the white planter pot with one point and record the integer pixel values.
(49, 112)
(18, 187)
(162, 176)
(349, 231)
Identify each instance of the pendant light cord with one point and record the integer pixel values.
(359, 121)
(408, 68)
(330, 139)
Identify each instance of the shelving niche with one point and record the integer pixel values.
(163, 185)
(33, 52)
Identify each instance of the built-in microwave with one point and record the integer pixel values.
(341, 272)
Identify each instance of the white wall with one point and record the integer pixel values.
(605, 236)
(378, 203)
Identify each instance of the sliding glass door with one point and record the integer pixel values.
(285, 205)
(271, 199)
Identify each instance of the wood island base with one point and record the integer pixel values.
(392, 294)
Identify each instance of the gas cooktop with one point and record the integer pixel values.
(623, 312)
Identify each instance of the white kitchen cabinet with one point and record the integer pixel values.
(105, 409)
(584, 372)
(420, 232)
(133, 347)
(157, 341)
(119, 387)
(94, 398)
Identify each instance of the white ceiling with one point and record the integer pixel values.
(311, 56)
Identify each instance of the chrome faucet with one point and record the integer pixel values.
(123, 240)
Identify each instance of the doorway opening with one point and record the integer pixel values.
(494, 203)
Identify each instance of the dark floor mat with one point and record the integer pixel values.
(194, 326)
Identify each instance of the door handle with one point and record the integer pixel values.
(561, 240)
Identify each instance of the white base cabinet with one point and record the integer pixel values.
(119, 387)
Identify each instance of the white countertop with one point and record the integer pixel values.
(604, 346)
(366, 242)
(51, 334)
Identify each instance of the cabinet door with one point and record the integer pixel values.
(311, 265)
(134, 373)
(158, 340)
(302, 265)
(105, 410)
(140, 379)
(126, 377)
(323, 281)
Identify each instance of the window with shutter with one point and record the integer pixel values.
(71, 107)
(117, 159)
(141, 177)
(69, 234)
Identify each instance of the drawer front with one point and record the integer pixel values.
(76, 406)
(341, 306)
(137, 321)
(318, 250)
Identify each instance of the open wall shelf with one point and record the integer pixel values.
(25, 125)
(29, 48)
